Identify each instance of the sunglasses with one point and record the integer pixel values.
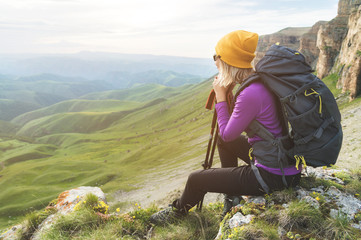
(215, 56)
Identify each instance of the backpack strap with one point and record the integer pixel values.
(261, 131)
(257, 173)
(256, 128)
(317, 134)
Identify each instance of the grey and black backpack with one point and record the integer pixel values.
(310, 115)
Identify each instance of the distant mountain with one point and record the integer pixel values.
(95, 65)
(7, 128)
(26, 93)
(20, 95)
(11, 108)
(99, 110)
(74, 105)
(162, 77)
(32, 81)
(140, 93)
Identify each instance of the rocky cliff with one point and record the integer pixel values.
(308, 44)
(302, 39)
(289, 37)
(330, 37)
(329, 47)
(348, 63)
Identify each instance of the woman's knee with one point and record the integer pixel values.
(194, 176)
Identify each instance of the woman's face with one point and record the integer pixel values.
(218, 63)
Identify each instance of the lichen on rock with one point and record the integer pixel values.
(327, 202)
(65, 204)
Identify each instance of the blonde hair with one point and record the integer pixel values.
(229, 74)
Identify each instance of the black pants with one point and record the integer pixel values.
(230, 179)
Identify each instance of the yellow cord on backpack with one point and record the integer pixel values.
(319, 96)
(250, 153)
(300, 158)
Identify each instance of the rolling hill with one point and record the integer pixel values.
(11, 108)
(102, 141)
(140, 93)
(75, 105)
(19, 95)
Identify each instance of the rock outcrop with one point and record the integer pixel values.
(348, 63)
(339, 42)
(308, 44)
(301, 39)
(289, 37)
(65, 204)
(330, 38)
(339, 205)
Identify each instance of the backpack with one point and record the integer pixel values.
(308, 111)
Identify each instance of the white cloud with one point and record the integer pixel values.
(186, 28)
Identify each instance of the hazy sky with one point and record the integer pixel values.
(162, 27)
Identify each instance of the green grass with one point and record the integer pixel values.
(358, 53)
(141, 93)
(84, 223)
(259, 229)
(346, 105)
(343, 100)
(10, 108)
(331, 82)
(77, 105)
(298, 220)
(100, 148)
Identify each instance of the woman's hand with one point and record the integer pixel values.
(221, 92)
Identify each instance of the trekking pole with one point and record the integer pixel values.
(206, 165)
(209, 155)
(212, 142)
(213, 149)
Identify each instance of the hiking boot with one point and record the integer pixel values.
(229, 202)
(167, 215)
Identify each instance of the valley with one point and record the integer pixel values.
(111, 143)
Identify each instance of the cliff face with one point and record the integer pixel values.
(308, 44)
(330, 37)
(349, 60)
(302, 39)
(289, 37)
(339, 42)
(330, 47)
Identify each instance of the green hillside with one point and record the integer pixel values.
(7, 128)
(140, 93)
(76, 105)
(163, 77)
(11, 108)
(98, 143)
(21, 95)
(75, 122)
(108, 101)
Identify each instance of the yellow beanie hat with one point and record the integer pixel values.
(237, 48)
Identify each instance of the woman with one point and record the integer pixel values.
(234, 54)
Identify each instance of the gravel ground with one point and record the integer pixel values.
(350, 154)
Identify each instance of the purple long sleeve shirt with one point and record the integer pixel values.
(254, 102)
